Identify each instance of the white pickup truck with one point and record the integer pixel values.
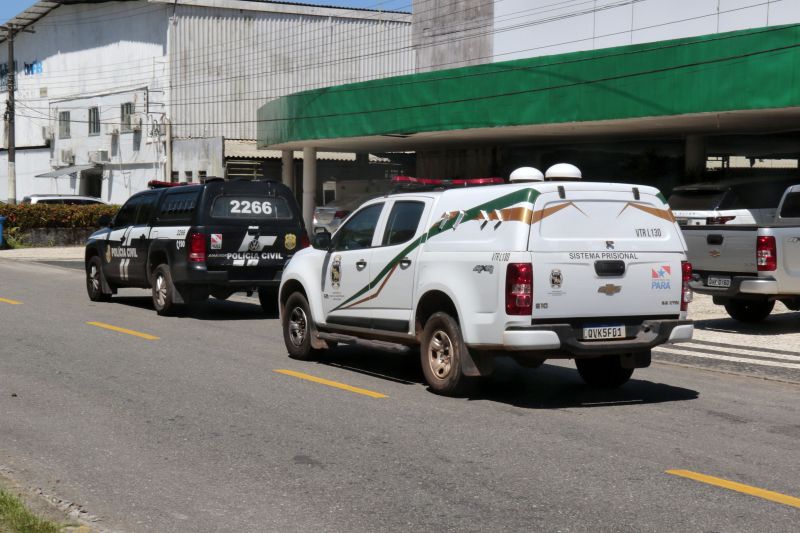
(747, 268)
(563, 269)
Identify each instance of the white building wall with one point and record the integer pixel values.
(530, 28)
(30, 162)
(226, 64)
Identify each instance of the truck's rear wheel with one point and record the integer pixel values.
(749, 310)
(298, 328)
(442, 353)
(268, 298)
(604, 372)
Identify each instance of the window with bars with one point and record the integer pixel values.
(63, 125)
(94, 121)
(126, 115)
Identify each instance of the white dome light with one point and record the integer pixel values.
(526, 174)
(563, 171)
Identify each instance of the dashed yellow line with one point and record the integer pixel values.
(124, 330)
(10, 302)
(738, 487)
(329, 383)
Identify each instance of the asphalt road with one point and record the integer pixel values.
(196, 431)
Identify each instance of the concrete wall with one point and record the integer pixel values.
(195, 155)
(528, 28)
(452, 34)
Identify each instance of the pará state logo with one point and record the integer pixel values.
(660, 278)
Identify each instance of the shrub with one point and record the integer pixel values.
(30, 216)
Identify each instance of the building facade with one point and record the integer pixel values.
(111, 95)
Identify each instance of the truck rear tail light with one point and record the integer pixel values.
(718, 220)
(766, 254)
(197, 247)
(519, 289)
(686, 291)
(341, 214)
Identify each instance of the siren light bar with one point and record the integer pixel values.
(466, 182)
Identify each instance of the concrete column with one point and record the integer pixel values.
(309, 185)
(695, 156)
(287, 168)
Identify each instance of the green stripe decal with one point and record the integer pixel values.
(508, 200)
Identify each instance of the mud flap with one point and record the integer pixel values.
(635, 360)
(475, 363)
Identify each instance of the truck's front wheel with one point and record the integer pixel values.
(749, 310)
(442, 353)
(604, 372)
(298, 328)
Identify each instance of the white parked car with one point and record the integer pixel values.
(741, 201)
(64, 199)
(591, 271)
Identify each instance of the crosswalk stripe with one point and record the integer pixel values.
(741, 351)
(761, 362)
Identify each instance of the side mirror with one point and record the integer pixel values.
(104, 221)
(322, 240)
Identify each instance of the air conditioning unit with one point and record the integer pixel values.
(47, 133)
(67, 157)
(99, 156)
(111, 129)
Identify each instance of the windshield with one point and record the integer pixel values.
(696, 200)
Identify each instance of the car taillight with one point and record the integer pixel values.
(197, 247)
(304, 242)
(686, 290)
(341, 214)
(766, 254)
(519, 289)
(718, 220)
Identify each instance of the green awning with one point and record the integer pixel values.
(738, 71)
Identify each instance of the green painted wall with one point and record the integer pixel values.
(750, 69)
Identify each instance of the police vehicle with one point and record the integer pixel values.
(189, 242)
(595, 272)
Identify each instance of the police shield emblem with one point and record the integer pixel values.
(336, 271)
(290, 241)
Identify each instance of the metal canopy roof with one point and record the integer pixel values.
(66, 170)
(736, 82)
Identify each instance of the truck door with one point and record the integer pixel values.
(393, 265)
(346, 282)
(139, 239)
(115, 262)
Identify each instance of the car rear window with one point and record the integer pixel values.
(251, 207)
(763, 195)
(696, 200)
(791, 206)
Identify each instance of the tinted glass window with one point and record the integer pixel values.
(178, 207)
(697, 200)
(403, 222)
(765, 195)
(146, 208)
(791, 206)
(126, 215)
(358, 231)
(251, 207)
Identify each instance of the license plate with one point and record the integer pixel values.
(714, 281)
(600, 333)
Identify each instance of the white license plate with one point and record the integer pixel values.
(601, 333)
(714, 281)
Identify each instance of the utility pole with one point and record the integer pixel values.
(10, 115)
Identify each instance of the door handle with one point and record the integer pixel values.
(405, 262)
(361, 264)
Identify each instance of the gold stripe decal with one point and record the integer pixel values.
(368, 298)
(541, 214)
(665, 214)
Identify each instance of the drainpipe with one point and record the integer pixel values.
(168, 166)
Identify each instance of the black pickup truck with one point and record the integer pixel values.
(189, 242)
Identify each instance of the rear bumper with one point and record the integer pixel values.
(740, 286)
(234, 278)
(561, 339)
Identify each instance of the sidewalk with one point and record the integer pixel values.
(54, 253)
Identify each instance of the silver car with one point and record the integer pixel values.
(329, 217)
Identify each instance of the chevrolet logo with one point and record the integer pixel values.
(715, 253)
(610, 289)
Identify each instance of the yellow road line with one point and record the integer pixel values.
(330, 383)
(11, 302)
(123, 330)
(738, 487)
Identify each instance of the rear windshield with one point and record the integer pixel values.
(764, 195)
(696, 200)
(251, 207)
(791, 206)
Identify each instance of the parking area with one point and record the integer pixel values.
(201, 422)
